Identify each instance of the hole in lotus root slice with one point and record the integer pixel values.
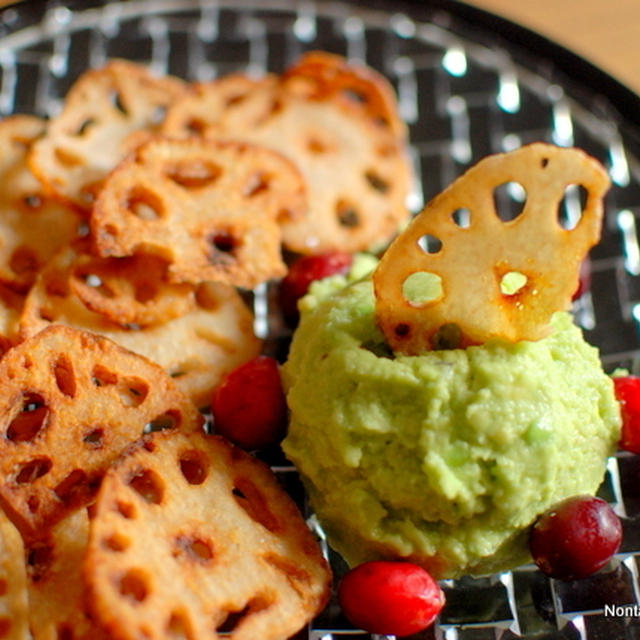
(509, 200)
(376, 181)
(250, 498)
(422, 288)
(193, 173)
(144, 203)
(126, 509)
(223, 246)
(102, 377)
(194, 466)
(64, 375)
(67, 158)
(149, 485)
(571, 206)
(429, 243)
(171, 419)
(132, 391)
(193, 548)
(234, 619)
(135, 584)
(116, 542)
(208, 296)
(179, 627)
(94, 438)
(462, 218)
(56, 283)
(78, 487)
(24, 260)
(347, 214)
(533, 244)
(33, 469)
(257, 183)
(39, 556)
(32, 418)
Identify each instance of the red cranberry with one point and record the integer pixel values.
(249, 407)
(575, 538)
(302, 273)
(394, 598)
(628, 394)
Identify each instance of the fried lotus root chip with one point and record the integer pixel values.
(14, 607)
(132, 290)
(493, 278)
(70, 402)
(194, 536)
(32, 225)
(356, 171)
(210, 208)
(57, 605)
(196, 349)
(106, 113)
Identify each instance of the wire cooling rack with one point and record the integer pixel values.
(465, 91)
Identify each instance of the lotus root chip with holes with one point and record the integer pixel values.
(193, 536)
(32, 225)
(356, 171)
(196, 349)
(106, 113)
(131, 290)
(14, 606)
(57, 604)
(71, 401)
(209, 208)
(474, 263)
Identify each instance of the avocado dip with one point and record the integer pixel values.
(446, 458)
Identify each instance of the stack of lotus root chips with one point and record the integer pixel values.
(123, 518)
(133, 226)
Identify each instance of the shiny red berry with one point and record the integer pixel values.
(575, 538)
(303, 272)
(249, 407)
(394, 598)
(627, 390)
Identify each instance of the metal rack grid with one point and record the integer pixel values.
(462, 100)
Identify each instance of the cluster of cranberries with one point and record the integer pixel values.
(574, 539)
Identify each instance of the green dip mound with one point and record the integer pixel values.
(445, 459)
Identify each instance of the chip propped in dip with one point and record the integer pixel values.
(446, 456)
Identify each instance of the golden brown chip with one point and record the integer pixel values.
(105, 115)
(210, 208)
(70, 402)
(14, 620)
(197, 349)
(32, 226)
(57, 606)
(194, 537)
(131, 290)
(355, 167)
(496, 279)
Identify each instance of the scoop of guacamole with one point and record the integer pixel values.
(446, 458)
